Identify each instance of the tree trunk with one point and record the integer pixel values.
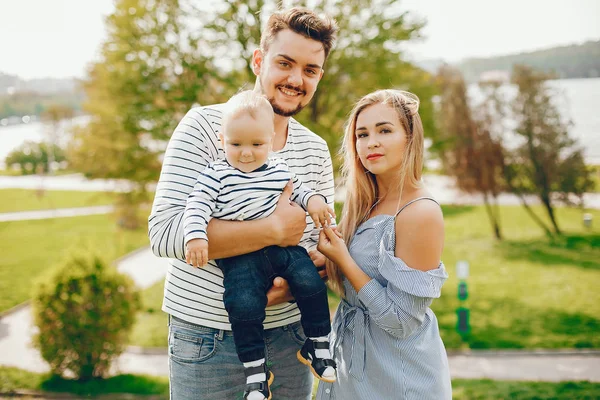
(550, 210)
(493, 215)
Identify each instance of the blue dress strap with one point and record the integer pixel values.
(412, 201)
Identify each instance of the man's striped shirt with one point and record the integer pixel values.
(196, 294)
(224, 192)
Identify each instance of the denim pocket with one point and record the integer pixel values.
(191, 347)
(297, 334)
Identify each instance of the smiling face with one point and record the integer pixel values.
(248, 139)
(380, 140)
(289, 71)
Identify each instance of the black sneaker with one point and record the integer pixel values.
(264, 386)
(306, 355)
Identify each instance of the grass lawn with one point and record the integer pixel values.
(13, 200)
(150, 329)
(12, 379)
(37, 246)
(525, 292)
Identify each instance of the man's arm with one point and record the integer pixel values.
(284, 227)
(192, 146)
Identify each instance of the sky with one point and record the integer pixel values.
(58, 38)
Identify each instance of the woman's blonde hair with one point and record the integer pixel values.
(361, 187)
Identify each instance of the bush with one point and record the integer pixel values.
(33, 157)
(84, 314)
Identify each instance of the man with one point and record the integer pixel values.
(202, 360)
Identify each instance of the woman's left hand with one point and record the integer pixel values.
(332, 245)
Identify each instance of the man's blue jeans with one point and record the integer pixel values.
(203, 363)
(248, 277)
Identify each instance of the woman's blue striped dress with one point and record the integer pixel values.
(385, 338)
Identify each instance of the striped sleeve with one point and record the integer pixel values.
(191, 148)
(301, 193)
(201, 204)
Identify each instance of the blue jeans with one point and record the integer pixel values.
(203, 363)
(248, 277)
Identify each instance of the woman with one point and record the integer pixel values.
(386, 339)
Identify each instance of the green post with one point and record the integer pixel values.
(463, 326)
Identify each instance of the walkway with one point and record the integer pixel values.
(16, 330)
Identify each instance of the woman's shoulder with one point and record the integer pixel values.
(421, 210)
(419, 230)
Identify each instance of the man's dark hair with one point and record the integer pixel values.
(303, 22)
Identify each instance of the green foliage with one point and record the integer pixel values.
(33, 157)
(162, 57)
(136, 94)
(84, 314)
(368, 56)
(548, 160)
(471, 151)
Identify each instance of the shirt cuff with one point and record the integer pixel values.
(372, 296)
(310, 196)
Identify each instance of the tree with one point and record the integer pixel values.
(164, 56)
(34, 157)
(137, 92)
(53, 116)
(471, 148)
(368, 55)
(547, 162)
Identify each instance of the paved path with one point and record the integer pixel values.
(55, 213)
(16, 330)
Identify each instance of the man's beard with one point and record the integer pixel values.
(284, 113)
(280, 111)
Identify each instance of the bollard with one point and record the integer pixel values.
(587, 220)
(463, 326)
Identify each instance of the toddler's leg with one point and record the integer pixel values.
(246, 281)
(310, 293)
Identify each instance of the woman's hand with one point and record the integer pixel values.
(332, 245)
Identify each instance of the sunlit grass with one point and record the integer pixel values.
(32, 249)
(13, 200)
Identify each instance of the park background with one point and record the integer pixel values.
(90, 93)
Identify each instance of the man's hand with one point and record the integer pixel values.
(279, 292)
(196, 252)
(289, 220)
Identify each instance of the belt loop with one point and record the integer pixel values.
(221, 334)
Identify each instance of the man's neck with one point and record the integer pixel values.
(281, 132)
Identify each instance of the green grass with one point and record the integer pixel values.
(150, 329)
(13, 379)
(32, 249)
(517, 390)
(13, 200)
(527, 291)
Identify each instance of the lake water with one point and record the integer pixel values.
(581, 104)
